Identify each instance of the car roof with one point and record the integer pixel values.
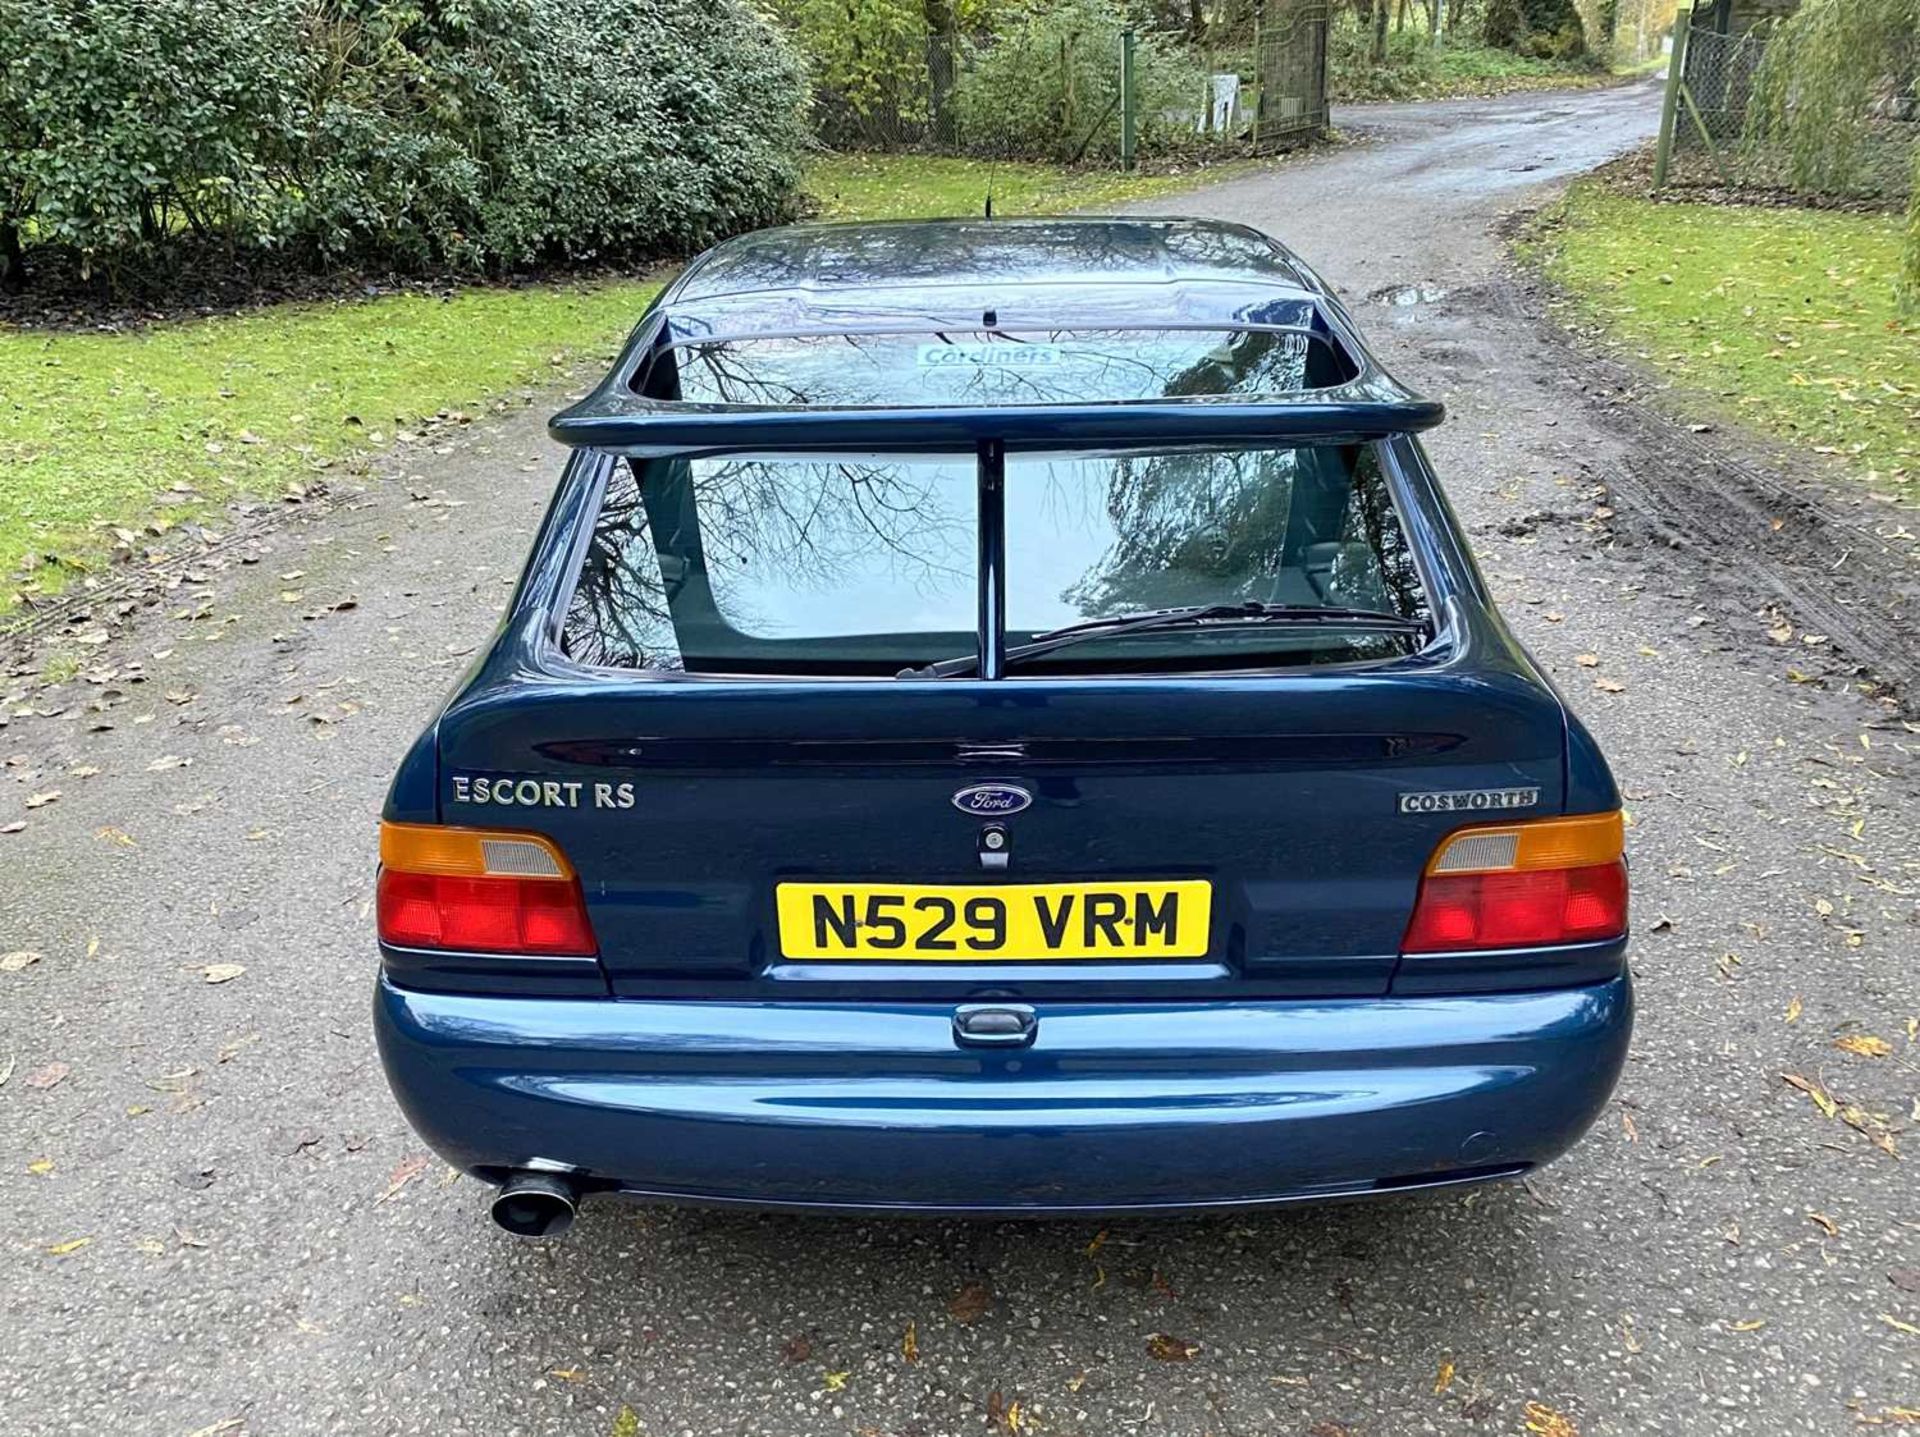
(1092, 271)
(937, 278)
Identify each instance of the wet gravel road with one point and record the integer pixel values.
(213, 1220)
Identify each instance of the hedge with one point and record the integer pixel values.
(469, 135)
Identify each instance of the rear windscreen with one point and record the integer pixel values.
(992, 367)
(789, 564)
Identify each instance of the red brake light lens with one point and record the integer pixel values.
(436, 891)
(1526, 885)
(1519, 910)
(484, 915)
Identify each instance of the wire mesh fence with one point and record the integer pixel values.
(1711, 138)
(1054, 91)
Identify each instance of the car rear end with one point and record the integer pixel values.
(776, 855)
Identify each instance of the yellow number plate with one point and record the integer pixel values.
(1004, 922)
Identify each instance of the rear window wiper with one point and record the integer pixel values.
(1187, 616)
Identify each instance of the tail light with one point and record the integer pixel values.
(479, 891)
(1524, 885)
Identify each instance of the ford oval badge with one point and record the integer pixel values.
(992, 800)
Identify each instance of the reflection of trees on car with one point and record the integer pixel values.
(1082, 366)
(1203, 527)
(1190, 528)
(618, 613)
(1288, 526)
(805, 523)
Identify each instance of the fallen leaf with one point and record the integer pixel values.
(567, 1374)
(1825, 1104)
(40, 1167)
(61, 1249)
(1825, 1223)
(167, 761)
(1543, 1420)
(910, 1344)
(1794, 1009)
(1587, 661)
(1016, 1420)
(1443, 1379)
(1609, 686)
(1863, 1045)
(1895, 1323)
(41, 800)
(1164, 1348)
(47, 1077)
(1751, 1325)
(970, 1304)
(796, 1349)
(17, 960)
(626, 1424)
(222, 972)
(404, 1173)
(837, 1381)
(1907, 1279)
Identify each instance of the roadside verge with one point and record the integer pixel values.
(1825, 563)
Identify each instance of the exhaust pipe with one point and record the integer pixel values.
(536, 1204)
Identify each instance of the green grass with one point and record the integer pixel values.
(1416, 71)
(101, 430)
(899, 187)
(1783, 319)
(96, 428)
(1654, 62)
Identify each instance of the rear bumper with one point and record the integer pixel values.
(1147, 1106)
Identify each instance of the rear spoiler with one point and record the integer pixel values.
(615, 418)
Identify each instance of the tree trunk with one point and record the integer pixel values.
(13, 265)
(943, 56)
(1400, 18)
(1380, 8)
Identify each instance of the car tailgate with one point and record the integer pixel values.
(684, 804)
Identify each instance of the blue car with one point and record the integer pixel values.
(999, 718)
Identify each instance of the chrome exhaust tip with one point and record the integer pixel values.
(536, 1204)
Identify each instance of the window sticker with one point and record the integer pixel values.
(990, 356)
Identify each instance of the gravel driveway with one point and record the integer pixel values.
(238, 1234)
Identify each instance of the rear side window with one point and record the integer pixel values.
(864, 565)
(970, 368)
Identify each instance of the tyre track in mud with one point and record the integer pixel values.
(1800, 547)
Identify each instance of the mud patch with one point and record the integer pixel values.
(1814, 568)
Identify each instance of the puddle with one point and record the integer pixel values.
(1405, 296)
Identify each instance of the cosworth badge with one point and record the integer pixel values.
(1469, 800)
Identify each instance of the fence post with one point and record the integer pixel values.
(1127, 100)
(1259, 80)
(1676, 69)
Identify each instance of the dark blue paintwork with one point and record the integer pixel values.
(1305, 1056)
(1115, 1106)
